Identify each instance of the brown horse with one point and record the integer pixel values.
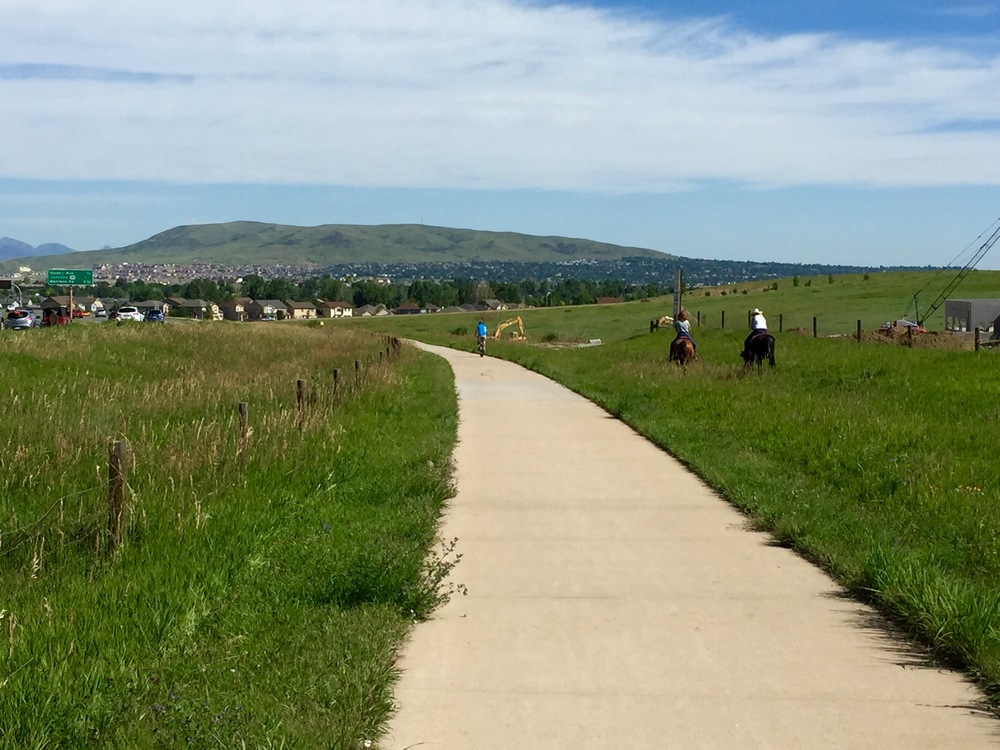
(758, 348)
(681, 350)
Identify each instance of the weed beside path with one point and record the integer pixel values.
(262, 588)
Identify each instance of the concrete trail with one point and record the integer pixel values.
(616, 602)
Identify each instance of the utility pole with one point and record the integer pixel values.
(678, 291)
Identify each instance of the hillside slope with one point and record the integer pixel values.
(243, 242)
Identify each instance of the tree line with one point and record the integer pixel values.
(443, 293)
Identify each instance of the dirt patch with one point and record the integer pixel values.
(898, 336)
(930, 340)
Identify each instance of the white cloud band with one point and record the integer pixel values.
(491, 93)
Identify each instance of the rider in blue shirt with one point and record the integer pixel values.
(481, 337)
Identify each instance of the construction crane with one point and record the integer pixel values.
(960, 276)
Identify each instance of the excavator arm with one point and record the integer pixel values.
(518, 336)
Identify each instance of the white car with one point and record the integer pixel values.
(128, 312)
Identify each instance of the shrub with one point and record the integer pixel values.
(460, 331)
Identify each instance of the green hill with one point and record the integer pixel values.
(243, 242)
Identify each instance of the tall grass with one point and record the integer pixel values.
(260, 594)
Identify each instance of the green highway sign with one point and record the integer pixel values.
(69, 277)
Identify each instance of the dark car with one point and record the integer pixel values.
(18, 319)
(153, 316)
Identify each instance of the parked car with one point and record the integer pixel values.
(154, 316)
(18, 319)
(101, 313)
(128, 312)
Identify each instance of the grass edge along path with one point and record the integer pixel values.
(257, 602)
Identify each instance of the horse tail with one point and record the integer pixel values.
(770, 351)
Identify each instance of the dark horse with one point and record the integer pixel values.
(759, 348)
(681, 350)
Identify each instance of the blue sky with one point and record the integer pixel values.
(840, 132)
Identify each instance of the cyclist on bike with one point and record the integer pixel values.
(481, 337)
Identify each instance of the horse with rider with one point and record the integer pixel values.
(682, 348)
(759, 344)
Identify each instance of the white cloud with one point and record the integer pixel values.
(484, 93)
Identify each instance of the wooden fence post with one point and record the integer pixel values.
(859, 331)
(977, 339)
(814, 327)
(357, 373)
(909, 336)
(336, 381)
(699, 318)
(723, 319)
(300, 399)
(781, 322)
(117, 521)
(244, 434)
(652, 326)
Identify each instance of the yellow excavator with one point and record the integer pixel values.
(664, 321)
(517, 335)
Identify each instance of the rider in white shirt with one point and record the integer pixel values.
(758, 324)
(682, 325)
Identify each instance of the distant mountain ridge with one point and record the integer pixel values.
(11, 248)
(399, 251)
(247, 242)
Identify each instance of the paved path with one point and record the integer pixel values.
(616, 602)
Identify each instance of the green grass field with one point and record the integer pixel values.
(837, 307)
(263, 587)
(875, 460)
